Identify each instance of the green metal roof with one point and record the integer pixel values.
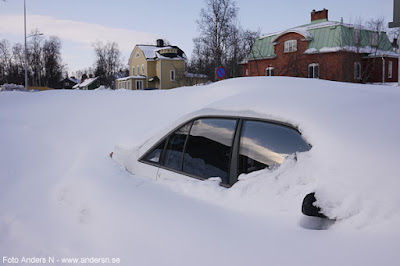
(327, 36)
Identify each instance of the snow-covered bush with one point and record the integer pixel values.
(12, 87)
(102, 87)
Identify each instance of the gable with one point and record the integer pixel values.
(307, 36)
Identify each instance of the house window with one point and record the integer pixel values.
(139, 84)
(290, 46)
(313, 71)
(390, 69)
(142, 69)
(133, 71)
(357, 70)
(269, 71)
(247, 72)
(373, 38)
(137, 70)
(357, 36)
(172, 75)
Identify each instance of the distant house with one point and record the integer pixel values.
(88, 84)
(157, 67)
(324, 49)
(69, 82)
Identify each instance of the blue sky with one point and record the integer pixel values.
(127, 22)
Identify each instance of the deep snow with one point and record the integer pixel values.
(61, 195)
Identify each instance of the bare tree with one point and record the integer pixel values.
(377, 40)
(217, 21)
(53, 67)
(108, 61)
(18, 64)
(364, 44)
(222, 42)
(35, 57)
(44, 58)
(5, 60)
(295, 66)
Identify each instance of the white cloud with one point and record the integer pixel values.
(79, 34)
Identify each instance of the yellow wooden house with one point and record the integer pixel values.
(156, 67)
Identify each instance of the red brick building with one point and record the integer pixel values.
(327, 50)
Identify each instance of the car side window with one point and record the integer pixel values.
(225, 147)
(209, 147)
(155, 155)
(174, 150)
(264, 144)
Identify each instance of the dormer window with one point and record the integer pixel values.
(290, 46)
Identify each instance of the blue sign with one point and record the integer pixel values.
(221, 72)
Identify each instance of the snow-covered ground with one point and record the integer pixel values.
(62, 196)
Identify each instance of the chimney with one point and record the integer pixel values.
(322, 14)
(160, 43)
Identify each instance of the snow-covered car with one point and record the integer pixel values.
(262, 121)
(211, 143)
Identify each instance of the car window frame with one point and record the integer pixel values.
(234, 156)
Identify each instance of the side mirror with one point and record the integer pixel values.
(308, 208)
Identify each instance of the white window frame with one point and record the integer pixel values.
(142, 69)
(172, 75)
(269, 71)
(247, 72)
(138, 70)
(139, 84)
(290, 46)
(357, 71)
(315, 70)
(390, 69)
(133, 71)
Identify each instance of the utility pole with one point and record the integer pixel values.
(26, 52)
(396, 24)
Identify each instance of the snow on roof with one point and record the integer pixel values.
(152, 52)
(85, 83)
(74, 80)
(193, 75)
(131, 77)
(300, 31)
(364, 50)
(303, 29)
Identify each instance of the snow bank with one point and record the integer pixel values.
(12, 87)
(61, 195)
